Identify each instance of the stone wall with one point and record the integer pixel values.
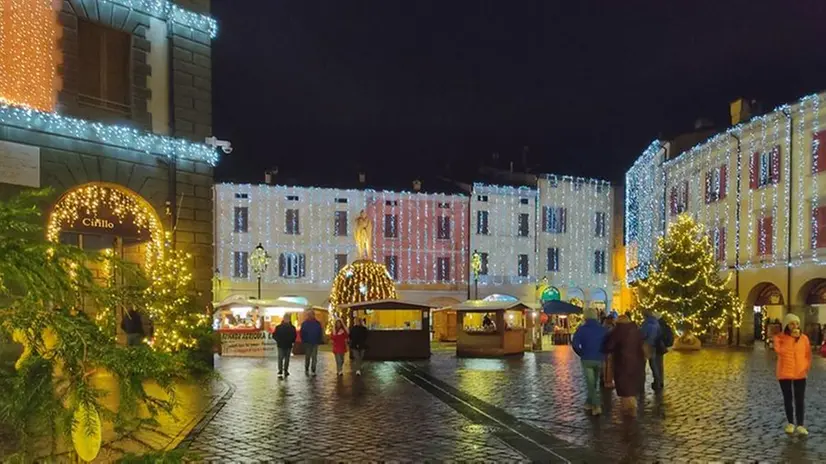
(191, 83)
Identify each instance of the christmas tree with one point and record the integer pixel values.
(684, 284)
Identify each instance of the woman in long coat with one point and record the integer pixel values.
(624, 343)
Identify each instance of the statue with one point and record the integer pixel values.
(363, 235)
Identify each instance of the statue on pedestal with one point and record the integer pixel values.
(363, 235)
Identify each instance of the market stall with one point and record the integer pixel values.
(444, 325)
(491, 328)
(246, 325)
(562, 320)
(398, 329)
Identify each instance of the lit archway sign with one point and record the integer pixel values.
(549, 294)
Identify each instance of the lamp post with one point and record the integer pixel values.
(476, 267)
(259, 260)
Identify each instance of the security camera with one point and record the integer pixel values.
(224, 145)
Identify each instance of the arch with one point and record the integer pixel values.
(813, 292)
(599, 294)
(575, 296)
(550, 293)
(765, 294)
(500, 297)
(442, 301)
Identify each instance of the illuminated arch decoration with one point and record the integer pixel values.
(549, 294)
(500, 297)
(102, 207)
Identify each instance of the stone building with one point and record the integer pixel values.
(112, 100)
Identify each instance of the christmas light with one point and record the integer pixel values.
(165, 9)
(644, 210)
(362, 281)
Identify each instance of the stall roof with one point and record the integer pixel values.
(480, 305)
(240, 300)
(384, 304)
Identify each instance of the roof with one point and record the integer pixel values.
(481, 305)
(384, 304)
(240, 300)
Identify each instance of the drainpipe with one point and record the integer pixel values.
(789, 128)
(737, 227)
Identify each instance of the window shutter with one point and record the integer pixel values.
(564, 218)
(821, 226)
(673, 200)
(301, 272)
(753, 170)
(820, 166)
(685, 195)
(776, 165)
(545, 214)
(721, 254)
(281, 265)
(723, 175)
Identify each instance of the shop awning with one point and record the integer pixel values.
(560, 307)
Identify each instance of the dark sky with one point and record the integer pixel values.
(402, 88)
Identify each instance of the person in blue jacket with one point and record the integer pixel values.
(311, 336)
(587, 343)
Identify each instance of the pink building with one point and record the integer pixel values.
(421, 238)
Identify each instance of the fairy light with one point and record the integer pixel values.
(815, 190)
(644, 208)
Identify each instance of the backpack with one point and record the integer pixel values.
(666, 334)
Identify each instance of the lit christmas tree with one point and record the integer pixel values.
(176, 318)
(684, 284)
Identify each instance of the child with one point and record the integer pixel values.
(794, 357)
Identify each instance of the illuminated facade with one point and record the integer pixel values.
(86, 108)
(758, 189)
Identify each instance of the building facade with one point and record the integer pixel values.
(308, 232)
(758, 189)
(575, 238)
(87, 109)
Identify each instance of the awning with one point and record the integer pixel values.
(560, 307)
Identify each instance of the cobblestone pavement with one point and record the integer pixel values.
(719, 405)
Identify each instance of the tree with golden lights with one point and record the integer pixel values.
(684, 284)
(362, 280)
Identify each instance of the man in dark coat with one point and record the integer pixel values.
(284, 338)
(358, 343)
(624, 343)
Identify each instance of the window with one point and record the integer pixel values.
(554, 220)
(482, 223)
(339, 263)
(242, 196)
(522, 266)
(340, 224)
(765, 245)
(483, 198)
(392, 264)
(341, 200)
(241, 219)
(819, 227)
(819, 152)
(443, 269)
(443, 205)
(240, 264)
(679, 198)
(292, 197)
(524, 201)
(292, 222)
(104, 68)
(599, 224)
(391, 226)
(553, 259)
(443, 232)
(291, 265)
(718, 243)
(765, 168)
(524, 230)
(716, 184)
(391, 202)
(483, 268)
(599, 262)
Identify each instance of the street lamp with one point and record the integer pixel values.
(476, 267)
(259, 260)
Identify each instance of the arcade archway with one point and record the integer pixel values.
(767, 304)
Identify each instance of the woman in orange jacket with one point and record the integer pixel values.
(794, 357)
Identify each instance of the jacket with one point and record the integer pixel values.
(284, 335)
(624, 342)
(650, 330)
(587, 342)
(358, 337)
(339, 342)
(311, 333)
(794, 357)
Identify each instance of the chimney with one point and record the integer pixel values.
(362, 177)
(741, 110)
(269, 175)
(417, 185)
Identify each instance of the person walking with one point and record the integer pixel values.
(625, 344)
(651, 336)
(311, 336)
(358, 343)
(794, 358)
(665, 340)
(587, 344)
(132, 325)
(339, 338)
(608, 365)
(284, 336)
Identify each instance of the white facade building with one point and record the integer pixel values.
(575, 238)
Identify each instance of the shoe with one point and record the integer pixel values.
(800, 430)
(358, 372)
(286, 374)
(596, 411)
(280, 375)
(313, 373)
(789, 429)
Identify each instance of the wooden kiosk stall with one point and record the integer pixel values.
(246, 325)
(490, 328)
(398, 329)
(444, 325)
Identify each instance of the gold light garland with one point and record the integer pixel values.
(359, 281)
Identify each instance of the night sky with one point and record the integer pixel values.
(415, 88)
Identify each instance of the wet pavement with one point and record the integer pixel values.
(719, 405)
